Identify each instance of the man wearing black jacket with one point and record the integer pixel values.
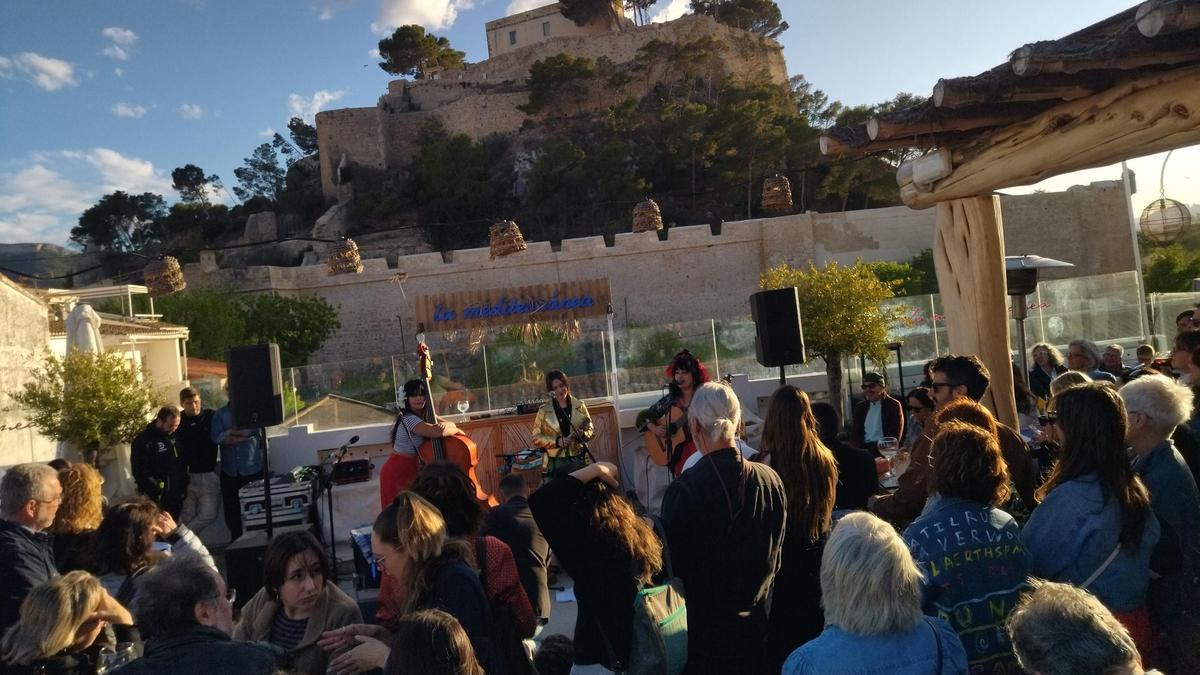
(199, 453)
(513, 523)
(158, 469)
(29, 498)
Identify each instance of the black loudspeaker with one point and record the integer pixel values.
(255, 387)
(779, 337)
(244, 560)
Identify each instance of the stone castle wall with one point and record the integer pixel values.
(693, 274)
(482, 99)
(23, 344)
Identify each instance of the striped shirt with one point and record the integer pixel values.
(285, 632)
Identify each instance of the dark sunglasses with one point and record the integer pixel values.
(1049, 418)
(870, 385)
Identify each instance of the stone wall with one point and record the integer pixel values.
(693, 274)
(354, 132)
(529, 28)
(23, 344)
(482, 99)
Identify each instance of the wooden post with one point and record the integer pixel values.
(969, 259)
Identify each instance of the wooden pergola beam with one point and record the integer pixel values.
(1139, 117)
(1163, 17)
(882, 129)
(960, 92)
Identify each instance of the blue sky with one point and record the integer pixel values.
(99, 96)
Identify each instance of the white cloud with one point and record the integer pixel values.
(121, 41)
(121, 36)
(6, 66)
(432, 14)
(518, 6)
(42, 202)
(191, 111)
(130, 174)
(129, 110)
(269, 132)
(307, 108)
(674, 10)
(374, 53)
(119, 72)
(48, 73)
(326, 9)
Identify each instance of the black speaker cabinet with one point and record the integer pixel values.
(255, 387)
(244, 560)
(779, 337)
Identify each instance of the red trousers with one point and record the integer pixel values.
(395, 476)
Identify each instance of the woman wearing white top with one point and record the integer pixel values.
(408, 433)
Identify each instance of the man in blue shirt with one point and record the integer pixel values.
(241, 463)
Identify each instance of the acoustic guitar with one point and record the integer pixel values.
(661, 449)
(459, 448)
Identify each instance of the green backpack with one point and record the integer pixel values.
(659, 644)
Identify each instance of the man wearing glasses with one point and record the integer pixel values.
(29, 498)
(186, 616)
(954, 376)
(878, 415)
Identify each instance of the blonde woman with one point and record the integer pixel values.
(871, 591)
(78, 516)
(60, 621)
(410, 545)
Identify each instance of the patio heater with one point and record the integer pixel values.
(1021, 274)
(895, 347)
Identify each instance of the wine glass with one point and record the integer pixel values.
(463, 406)
(888, 447)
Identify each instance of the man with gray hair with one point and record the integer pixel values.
(29, 498)
(1061, 630)
(1155, 406)
(186, 616)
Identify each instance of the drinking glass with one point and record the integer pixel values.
(463, 406)
(888, 447)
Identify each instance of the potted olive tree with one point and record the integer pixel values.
(95, 401)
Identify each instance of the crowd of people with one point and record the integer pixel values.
(1067, 543)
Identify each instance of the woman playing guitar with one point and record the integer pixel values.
(408, 433)
(562, 428)
(666, 420)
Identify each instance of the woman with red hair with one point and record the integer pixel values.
(667, 419)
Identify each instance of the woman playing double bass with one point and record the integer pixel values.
(562, 428)
(408, 433)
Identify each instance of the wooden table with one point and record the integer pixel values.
(506, 434)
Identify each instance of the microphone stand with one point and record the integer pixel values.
(326, 477)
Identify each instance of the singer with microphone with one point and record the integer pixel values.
(666, 420)
(562, 428)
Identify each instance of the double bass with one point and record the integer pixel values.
(459, 448)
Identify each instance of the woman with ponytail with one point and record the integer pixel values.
(724, 521)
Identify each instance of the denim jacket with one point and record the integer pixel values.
(1075, 529)
(237, 459)
(912, 652)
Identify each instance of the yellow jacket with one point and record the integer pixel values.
(546, 431)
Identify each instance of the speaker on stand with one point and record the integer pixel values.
(779, 335)
(256, 402)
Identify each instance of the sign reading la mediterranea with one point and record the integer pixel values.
(492, 307)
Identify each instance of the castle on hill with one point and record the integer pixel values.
(483, 98)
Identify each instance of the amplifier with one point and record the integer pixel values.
(352, 471)
(291, 502)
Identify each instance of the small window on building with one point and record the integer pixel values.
(546, 28)
(512, 37)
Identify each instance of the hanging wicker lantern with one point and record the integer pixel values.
(777, 194)
(1163, 220)
(647, 217)
(164, 277)
(344, 258)
(505, 239)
